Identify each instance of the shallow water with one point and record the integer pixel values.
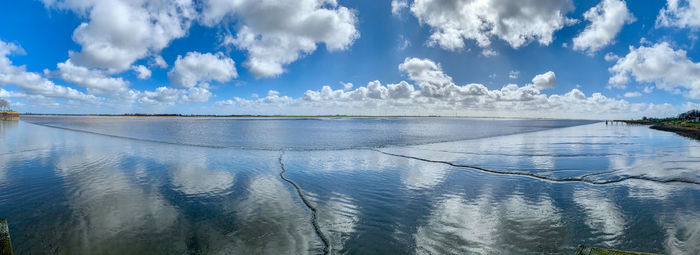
(387, 185)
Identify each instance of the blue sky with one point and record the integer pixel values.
(87, 52)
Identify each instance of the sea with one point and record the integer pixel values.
(423, 185)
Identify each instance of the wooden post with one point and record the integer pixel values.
(5, 243)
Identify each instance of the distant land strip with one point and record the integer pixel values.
(279, 116)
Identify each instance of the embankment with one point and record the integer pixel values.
(684, 131)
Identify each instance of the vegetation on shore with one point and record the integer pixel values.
(689, 119)
(686, 124)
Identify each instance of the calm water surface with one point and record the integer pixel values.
(83, 185)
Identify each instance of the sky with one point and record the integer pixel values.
(482, 58)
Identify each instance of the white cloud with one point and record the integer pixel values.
(196, 67)
(545, 80)
(489, 53)
(11, 94)
(680, 13)
(397, 6)
(513, 74)
(196, 95)
(611, 57)
(648, 89)
(119, 32)
(346, 85)
(158, 61)
(161, 95)
(516, 22)
(37, 90)
(96, 81)
(142, 71)
(607, 19)
(424, 71)
(276, 33)
(667, 68)
(170, 96)
(633, 94)
(438, 94)
(33, 83)
(403, 43)
(272, 93)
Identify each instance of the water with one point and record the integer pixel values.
(379, 186)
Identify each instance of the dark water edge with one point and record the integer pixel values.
(72, 192)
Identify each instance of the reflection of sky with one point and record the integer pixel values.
(602, 215)
(190, 175)
(338, 217)
(108, 204)
(486, 225)
(422, 176)
(575, 151)
(271, 221)
(683, 233)
(232, 201)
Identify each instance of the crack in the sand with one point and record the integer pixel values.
(546, 178)
(314, 216)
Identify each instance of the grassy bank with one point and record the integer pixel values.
(687, 131)
(686, 124)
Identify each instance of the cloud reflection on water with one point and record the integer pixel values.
(490, 225)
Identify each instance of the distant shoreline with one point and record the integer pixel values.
(683, 131)
(689, 132)
(282, 116)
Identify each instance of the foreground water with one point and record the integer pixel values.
(378, 186)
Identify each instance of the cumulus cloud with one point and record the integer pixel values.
(95, 81)
(196, 67)
(489, 53)
(397, 6)
(36, 90)
(633, 94)
(196, 95)
(516, 22)
(611, 56)
(438, 94)
(346, 85)
(607, 19)
(34, 83)
(158, 61)
(142, 71)
(171, 96)
(119, 32)
(668, 69)
(424, 70)
(276, 33)
(545, 80)
(679, 13)
(161, 95)
(13, 94)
